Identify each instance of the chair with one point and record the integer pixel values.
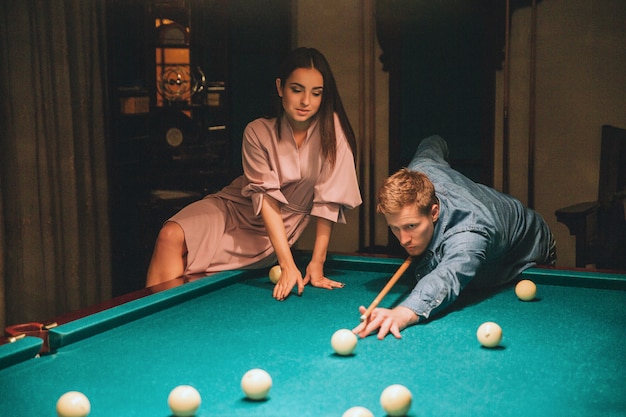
(600, 226)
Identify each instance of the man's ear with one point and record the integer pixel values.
(434, 212)
(279, 87)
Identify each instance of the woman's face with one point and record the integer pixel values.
(301, 96)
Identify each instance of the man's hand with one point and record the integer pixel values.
(386, 321)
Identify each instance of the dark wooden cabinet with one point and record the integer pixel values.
(189, 89)
(179, 87)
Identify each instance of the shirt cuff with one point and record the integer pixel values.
(425, 306)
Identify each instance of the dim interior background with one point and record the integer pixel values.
(87, 172)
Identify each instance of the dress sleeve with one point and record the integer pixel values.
(259, 165)
(464, 255)
(337, 188)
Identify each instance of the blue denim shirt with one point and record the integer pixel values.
(482, 236)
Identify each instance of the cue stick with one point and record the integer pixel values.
(387, 287)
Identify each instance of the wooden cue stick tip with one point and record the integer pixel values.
(387, 287)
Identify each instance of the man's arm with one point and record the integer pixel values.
(464, 255)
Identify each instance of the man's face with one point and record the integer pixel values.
(413, 229)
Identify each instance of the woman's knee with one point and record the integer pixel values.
(171, 233)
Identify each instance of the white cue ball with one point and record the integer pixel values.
(489, 334)
(357, 412)
(396, 400)
(184, 401)
(73, 404)
(275, 273)
(343, 342)
(526, 290)
(256, 384)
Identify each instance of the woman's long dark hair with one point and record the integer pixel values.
(331, 101)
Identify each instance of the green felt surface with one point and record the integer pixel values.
(561, 355)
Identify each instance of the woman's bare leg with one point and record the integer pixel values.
(169, 256)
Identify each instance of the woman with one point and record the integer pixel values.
(298, 164)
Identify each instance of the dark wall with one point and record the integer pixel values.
(260, 37)
(442, 57)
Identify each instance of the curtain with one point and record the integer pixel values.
(54, 243)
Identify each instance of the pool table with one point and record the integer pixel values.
(563, 354)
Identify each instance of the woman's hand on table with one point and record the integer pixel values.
(315, 275)
(289, 277)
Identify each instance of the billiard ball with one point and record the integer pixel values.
(184, 401)
(73, 404)
(489, 334)
(275, 272)
(396, 400)
(256, 384)
(357, 411)
(343, 342)
(526, 290)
